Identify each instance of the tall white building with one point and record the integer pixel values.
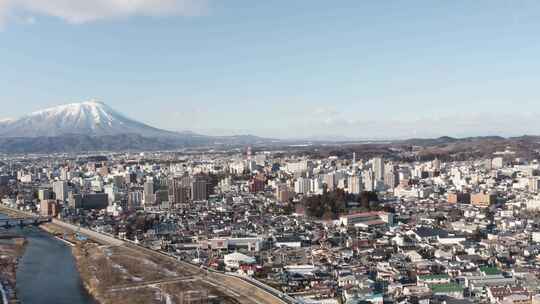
(330, 181)
(369, 180)
(354, 184)
(316, 186)
(302, 185)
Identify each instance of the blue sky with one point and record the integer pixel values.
(362, 69)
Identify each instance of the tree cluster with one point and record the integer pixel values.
(331, 204)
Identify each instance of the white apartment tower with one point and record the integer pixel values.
(378, 168)
(354, 184)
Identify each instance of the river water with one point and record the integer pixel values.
(47, 272)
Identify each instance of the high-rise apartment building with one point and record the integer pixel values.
(148, 197)
(354, 184)
(302, 185)
(378, 168)
(199, 191)
(60, 189)
(369, 180)
(180, 190)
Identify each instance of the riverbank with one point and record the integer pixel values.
(41, 271)
(47, 272)
(10, 255)
(78, 250)
(12, 248)
(116, 271)
(121, 275)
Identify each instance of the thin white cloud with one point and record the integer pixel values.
(325, 111)
(82, 11)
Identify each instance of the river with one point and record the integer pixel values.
(47, 272)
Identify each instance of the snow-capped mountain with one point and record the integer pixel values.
(94, 126)
(91, 118)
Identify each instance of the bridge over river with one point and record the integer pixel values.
(24, 221)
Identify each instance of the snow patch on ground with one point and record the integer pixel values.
(164, 270)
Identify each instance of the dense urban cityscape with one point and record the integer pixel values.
(342, 229)
(269, 152)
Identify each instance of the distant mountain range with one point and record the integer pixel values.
(94, 126)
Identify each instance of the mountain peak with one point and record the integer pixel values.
(75, 107)
(92, 117)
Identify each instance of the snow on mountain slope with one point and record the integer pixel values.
(87, 118)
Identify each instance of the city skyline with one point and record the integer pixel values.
(297, 70)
